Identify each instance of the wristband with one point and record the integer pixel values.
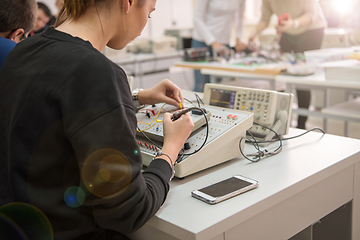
(135, 97)
(296, 24)
(158, 154)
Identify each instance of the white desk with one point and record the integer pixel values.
(337, 37)
(217, 69)
(317, 81)
(333, 37)
(223, 73)
(310, 178)
(140, 65)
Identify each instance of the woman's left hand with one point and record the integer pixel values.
(285, 25)
(163, 92)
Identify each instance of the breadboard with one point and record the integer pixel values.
(151, 123)
(226, 128)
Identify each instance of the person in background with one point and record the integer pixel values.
(17, 17)
(213, 23)
(43, 17)
(67, 129)
(59, 4)
(302, 29)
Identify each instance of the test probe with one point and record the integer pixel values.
(194, 110)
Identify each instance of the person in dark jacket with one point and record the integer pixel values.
(70, 166)
(17, 17)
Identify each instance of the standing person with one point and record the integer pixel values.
(303, 30)
(17, 17)
(213, 23)
(68, 125)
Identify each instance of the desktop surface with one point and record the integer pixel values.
(303, 162)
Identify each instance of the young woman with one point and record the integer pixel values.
(303, 30)
(67, 128)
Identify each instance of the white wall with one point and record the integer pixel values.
(168, 14)
(179, 14)
(51, 5)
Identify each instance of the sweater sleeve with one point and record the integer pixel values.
(102, 134)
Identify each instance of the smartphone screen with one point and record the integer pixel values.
(225, 187)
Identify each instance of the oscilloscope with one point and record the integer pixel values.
(271, 109)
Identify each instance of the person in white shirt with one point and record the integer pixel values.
(213, 23)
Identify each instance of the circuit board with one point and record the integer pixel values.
(207, 145)
(150, 119)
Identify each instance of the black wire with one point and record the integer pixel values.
(265, 153)
(148, 138)
(313, 129)
(188, 101)
(251, 160)
(199, 99)
(289, 138)
(180, 156)
(279, 138)
(207, 134)
(255, 141)
(261, 154)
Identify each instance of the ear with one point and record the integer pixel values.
(127, 4)
(16, 35)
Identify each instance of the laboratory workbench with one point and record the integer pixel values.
(312, 176)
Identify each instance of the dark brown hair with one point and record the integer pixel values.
(15, 14)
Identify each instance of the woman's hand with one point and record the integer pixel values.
(220, 49)
(252, 43)
(163, 92)
(285, 25)
(176, 133)
(240, 46)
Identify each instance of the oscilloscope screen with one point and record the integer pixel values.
(222, 98)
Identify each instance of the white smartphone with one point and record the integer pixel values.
(225, 189)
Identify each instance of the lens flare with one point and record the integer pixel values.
(106, 173)
(343, 6)
(74, 197)
(24, 221)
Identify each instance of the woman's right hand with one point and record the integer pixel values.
(252, 43)
(220, 49)
(176, 133)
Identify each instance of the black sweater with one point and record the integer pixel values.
(67, 142)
